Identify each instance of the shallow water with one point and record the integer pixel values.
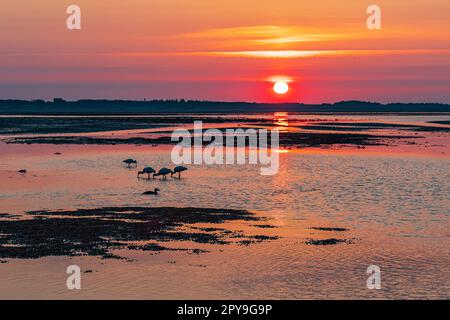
(396, 206)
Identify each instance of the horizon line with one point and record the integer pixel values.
(184, 100)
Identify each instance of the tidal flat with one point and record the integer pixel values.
(299, 132)
(351, 191)
(97, 232)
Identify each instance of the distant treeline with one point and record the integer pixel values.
(92, 107)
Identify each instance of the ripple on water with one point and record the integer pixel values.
(396, 210)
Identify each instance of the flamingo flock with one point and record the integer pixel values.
(149, 171)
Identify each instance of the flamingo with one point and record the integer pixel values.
(178, 170)
(129, 162)
(146, 170)
(152, 192)
(162, 172)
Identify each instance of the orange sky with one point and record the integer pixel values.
(226, 50)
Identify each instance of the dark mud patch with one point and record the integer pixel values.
(329, 229)
(7, 215)
(99, 232)
(198, 265)
(440, 122)
(89, 140)
(316, 139)
(242, 238)
(55, 125)
(327, 242)
(197, 251)
(153, 247)
(264, 226)
(286, 139)
(44, 125)
(256, 239)
(209, 229)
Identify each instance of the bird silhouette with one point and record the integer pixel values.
(146, 170)
(163, 172)
(130, 162)
(155, 192)
(178, 170)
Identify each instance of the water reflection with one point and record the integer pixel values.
(281, 119)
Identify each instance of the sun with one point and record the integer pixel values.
(280, 87)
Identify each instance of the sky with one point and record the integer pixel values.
(226, 50)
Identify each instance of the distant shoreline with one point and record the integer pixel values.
(151, 107)
(217, 114)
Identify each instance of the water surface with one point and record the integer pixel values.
(394, 201)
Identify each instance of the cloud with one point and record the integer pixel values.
(287, 54)
(265, 34)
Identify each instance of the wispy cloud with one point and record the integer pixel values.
(265, 34)
(286, 41)
(287, 54)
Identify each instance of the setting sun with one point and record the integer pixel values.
(281, 87)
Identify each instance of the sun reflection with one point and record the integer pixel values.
(281, 119)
